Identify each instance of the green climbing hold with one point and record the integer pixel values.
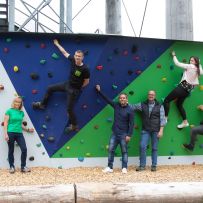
(55, 56)
(39, 145)
(42, 61)
(114, 87)
(8, 39)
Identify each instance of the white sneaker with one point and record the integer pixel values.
(124, 170)
(183, 125)
(107, 170)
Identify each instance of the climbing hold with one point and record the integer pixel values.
(111, 72)
(193, 163)
(68, 148)
(60, 167)
(88, 154)
(84, 106)
(107, 147)
(32, 158)
(81, 159)
(162, 99)
(1, 87)
(116, 51)
(164, 79)
(201, 87)
(192, 126)
(184, 60)
(130, 72)
(61, 155)
(34, 91)
(114, 87)
(110, 120)
(169, 157)
(47, 118)
(158, 66)
(171, 153)
(55, 56)
(15, 68)
(201, 145)
(109, 58)
(39, 145)
(125, 52)
(44, 127)
(8, 39)
(42, 61)
(136, 58)
(138, 72)
(34, 76)
(43, 153)
(27, 45)
(171, 67)
(42, 45)
(99, 67)
(41, 135)
(25, 123)
(50, 74)
(134, 49)
(131, 92)
(2, 123)
(85, 52)
(51, 138)
(98, 101)
(6, 50)
(82, 141)
(136, 126)
(96, 127)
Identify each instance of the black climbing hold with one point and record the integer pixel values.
(134, 49)
(25, 123)
(51, 138)
(50, 74)
(116, 51)
(32, 158)
(130, 72)
(131, 92)
(34, 76)
(85, 52)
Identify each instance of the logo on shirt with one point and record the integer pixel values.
(77, 73)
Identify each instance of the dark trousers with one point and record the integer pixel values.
(72, 97)
(180, 94)
(194, 132)
(18, 137)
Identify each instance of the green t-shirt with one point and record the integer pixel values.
(15, 120)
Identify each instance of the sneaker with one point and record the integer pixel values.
(153, 168)
(124, 170)
(182, 125)
(190, 147)
(107, 170)
(140, 168)
(12, 170)
(38, 105)
(25, 170)
(70, 128)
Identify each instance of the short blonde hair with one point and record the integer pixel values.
(21, 105)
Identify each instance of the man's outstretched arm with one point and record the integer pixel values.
(62, 50)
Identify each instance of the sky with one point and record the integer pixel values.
(93, 17)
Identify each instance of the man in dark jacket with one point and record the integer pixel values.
(153, 122)
(122, 129)
(198, 130)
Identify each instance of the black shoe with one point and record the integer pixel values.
(140, 168)
(38, 105)
(153, 168)
(190, 147)
(71, 128)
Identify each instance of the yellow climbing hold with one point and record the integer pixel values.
(164, 79)
(68, 147)
(201, 87)
(15, 68)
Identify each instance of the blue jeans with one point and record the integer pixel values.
(145, 135)
(113, 143)
(18, 137)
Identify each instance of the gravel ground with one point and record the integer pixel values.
(44, 176)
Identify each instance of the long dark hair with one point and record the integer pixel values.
(196, 63)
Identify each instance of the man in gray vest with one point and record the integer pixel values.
(153, 122)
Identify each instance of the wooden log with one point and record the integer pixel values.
(37, 194)
(139, 192)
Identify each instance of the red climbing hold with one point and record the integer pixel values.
(42, 45)
(99, 67)
(34, 91)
